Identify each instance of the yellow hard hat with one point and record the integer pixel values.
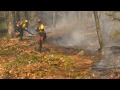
(26, 20)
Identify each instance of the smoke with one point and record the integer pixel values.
(81, 33)
(111, 58)
(77, 29)
(76, 33)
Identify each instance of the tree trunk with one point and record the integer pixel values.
(99, 32)
(54, 18)
(17, 15)
(77, 17)
(33, 17)
(81, 14)
(26, 15)
(6, 13)
(11, 28)
(66, 15)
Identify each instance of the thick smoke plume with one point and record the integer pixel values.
(77, 29)
(77, 32)
(81, 33)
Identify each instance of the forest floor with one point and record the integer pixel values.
(22, 60)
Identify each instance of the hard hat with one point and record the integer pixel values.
(26, 20)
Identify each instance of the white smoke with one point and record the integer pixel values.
(78, 30)
(82, 34)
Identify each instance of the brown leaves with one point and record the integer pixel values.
(81, 53)
(1, 71)
(24, 62)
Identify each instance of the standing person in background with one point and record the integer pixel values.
(41, 31)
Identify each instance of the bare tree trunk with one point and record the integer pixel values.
(81, 13)
(77, 17)
(99, 32)
(26, 15)
(54, 18)
(6, 13)
(11, 28)
(66, 15)
(33, 16)
(17, 15)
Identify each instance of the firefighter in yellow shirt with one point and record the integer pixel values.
(41, 29)
(24, 26)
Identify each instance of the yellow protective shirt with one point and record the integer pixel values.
(41, 27)
(24, 26)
